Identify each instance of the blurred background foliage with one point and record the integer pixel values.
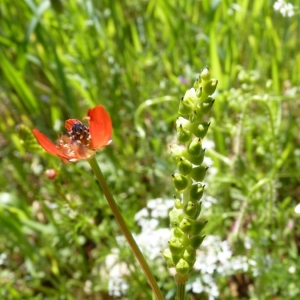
(59, 58)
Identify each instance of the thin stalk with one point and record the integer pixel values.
(134, 247)
(180, 294)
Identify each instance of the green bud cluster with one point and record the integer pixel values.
(186, 227)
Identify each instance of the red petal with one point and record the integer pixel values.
(69, 124)
(100, 127)
(47, 144)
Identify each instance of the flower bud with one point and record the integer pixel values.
(196, 117)
(182, 267)
(186, 106)
(168, 258)
(199, 92)
(205, 106)
(198, 227)
(200, 130)
(205, 74)
(195, 147)
(51, 174)
(177, 151)
(198, 173)
(176, 246)
(178, 204)
(183, 134)
(197, 84)
(196, 191)
(192, 209)
(196, 241)
(177, 232)
(183, 122)
(189, 256)
(176, 258)
(190, 95)
(196, 160)
(186, 225)
(210, 86)
(184, 166)
(180, 181)
(175, 217)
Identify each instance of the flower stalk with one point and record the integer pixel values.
(186, 227)
(134, 247)
(81, 144)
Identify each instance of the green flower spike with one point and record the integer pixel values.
(191, 126)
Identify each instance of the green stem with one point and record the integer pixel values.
(134, 247)
(180, 294)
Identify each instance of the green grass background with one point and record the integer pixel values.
(59, 58)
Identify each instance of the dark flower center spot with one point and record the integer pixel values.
(81, 133)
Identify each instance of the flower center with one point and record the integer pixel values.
(81, 133)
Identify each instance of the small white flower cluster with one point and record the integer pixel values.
(151, 241)
(115, 271)
(285, 8)
(216, 258)
(3, 258)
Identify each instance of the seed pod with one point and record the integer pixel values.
(196, 191)
(200, 130)
(198, 173)
(182, 267)
(210, 86)
(184, 166)
(196, 241)
(195, 147)
(180, 181)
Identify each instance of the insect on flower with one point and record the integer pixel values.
(83, 141)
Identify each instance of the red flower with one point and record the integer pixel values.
(83, 141)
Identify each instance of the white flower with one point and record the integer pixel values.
(297, 209)
(114, 271)
(286, 9)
